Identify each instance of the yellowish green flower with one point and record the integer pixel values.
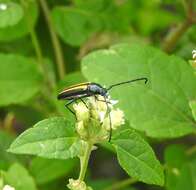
(96, 118)
(78, 185)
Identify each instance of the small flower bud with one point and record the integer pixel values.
(78, 185)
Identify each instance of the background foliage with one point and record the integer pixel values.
(48, 45)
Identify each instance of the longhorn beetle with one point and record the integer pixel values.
(83, 90)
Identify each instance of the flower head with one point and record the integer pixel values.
(96, 117)
(3, 6)
(8, 187)
(78, 185)
(194, 55)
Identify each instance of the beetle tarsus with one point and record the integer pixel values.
(105, 100)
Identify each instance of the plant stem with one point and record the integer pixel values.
(191, 150)
(8, 123)
(122, 184)
(56, 44)
(37, 47)
(84, 161)
(173, 37)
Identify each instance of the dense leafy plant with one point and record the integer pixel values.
(153, 135)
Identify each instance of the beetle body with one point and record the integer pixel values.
(82, 90)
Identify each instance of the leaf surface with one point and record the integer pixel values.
(50, 138)
(19, 79)
(161, 107)
(18, 177)
(137, 158)
(10, 14)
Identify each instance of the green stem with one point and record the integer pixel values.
(8, 123)
(56, 44)
(37, 46)
(122, 184)
(173, 37)
(84, 161)
(191, 150)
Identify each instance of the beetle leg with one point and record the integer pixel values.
(108, 102)
(67, 106)
(110, 120)
(84, 102)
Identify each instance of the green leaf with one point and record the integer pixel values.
(10, 14)
(111, 16)
(180, 174)
(47, 170)
(50, 138)
(19, 79)
(20, 27)
(73, 25)
(6, 158)
(175, 155)
(137, 158)
(192, 105)
(154, 19)
(161, 107)
(85, 19)
(18, 177)
(95, 6)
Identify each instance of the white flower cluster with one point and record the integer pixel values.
(5, 187)
(96, 118)
(194, 55)
(8, 187)
(3, 7)
(78, 185)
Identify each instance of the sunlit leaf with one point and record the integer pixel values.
(10, 14)
(19, 79)
(73, 25)
(137, 158)
(193, 108)
(50, 138)
(161, 107)
(19, 26)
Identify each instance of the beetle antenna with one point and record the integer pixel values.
(110, 120)
(130, 81)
